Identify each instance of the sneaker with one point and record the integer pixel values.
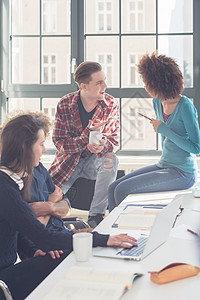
(93, 221)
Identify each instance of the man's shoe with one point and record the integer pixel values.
(93, 221)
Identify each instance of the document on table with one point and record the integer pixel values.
(91, 283)
(140, 217)
(181, 232)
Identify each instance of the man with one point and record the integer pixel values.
(49, 207)
(79, 113)
(47, 200)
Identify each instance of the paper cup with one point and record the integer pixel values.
(95, 137)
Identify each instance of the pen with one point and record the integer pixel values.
(191, 231)
(154, 207)
(144, 116)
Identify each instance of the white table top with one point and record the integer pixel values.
(176, 249)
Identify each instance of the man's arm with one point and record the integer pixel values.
(44, 220)
(110, 130)
(67, 136)
(58, 209)
(55, 206)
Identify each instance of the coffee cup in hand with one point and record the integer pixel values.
(82, 246)
(95, 137)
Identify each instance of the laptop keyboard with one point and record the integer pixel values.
(135, 250)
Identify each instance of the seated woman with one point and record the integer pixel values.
(22, 144)
(177, 122)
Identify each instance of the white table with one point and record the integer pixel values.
(174, 250)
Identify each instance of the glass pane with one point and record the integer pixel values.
(24, 104)
(56, 16)
(24, 21)
(180, 48)
(57, 69)
(101, 17)
(132, 49)
(49, 106)
(105, 51)
(25, 60)
(175, 16)
(138, 16)
(137, 132)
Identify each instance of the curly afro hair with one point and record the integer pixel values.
(161, 75)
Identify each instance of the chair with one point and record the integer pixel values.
(5, 290)
(80, 196)
(81, 192)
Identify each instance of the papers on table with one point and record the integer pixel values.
(92, 283)
(181, 232)
(139, 217)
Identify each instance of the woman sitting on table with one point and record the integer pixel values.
(22, 144)
(177, 122)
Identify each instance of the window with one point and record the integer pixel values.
(104, 15)
(136, 124)
(106, 62)
(49, 68)
(134, 79)
(39, 44)
(31, 41)
(49, 16)
(135, 15)
(135, 129)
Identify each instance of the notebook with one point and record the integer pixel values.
(164, 221)
(137, 216)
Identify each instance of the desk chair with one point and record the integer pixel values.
(5, 290)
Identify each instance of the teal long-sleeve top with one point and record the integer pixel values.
(180, 136)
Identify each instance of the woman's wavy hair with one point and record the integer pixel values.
(18, 135)
(161, 75)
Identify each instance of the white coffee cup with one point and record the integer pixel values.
(82, 246)
(95, 137)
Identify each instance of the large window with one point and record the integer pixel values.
(104, 15)
(49, 68)
(136, 15)
(46, 39)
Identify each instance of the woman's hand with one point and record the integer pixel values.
(155, 124)
(54, 254)
(122, 240)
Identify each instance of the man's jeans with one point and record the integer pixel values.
(93, 168)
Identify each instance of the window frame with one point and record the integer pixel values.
(78, 37)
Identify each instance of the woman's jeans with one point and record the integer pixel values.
(146, 180)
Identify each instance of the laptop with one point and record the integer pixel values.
(163, 223)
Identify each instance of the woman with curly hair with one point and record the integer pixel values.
(176, 121)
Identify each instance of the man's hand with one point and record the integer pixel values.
(96, 124)
(155, 124)
(122, 240)
(54, 254)
(95, 148)
(57, 195)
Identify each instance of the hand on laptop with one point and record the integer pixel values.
(122, 240)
